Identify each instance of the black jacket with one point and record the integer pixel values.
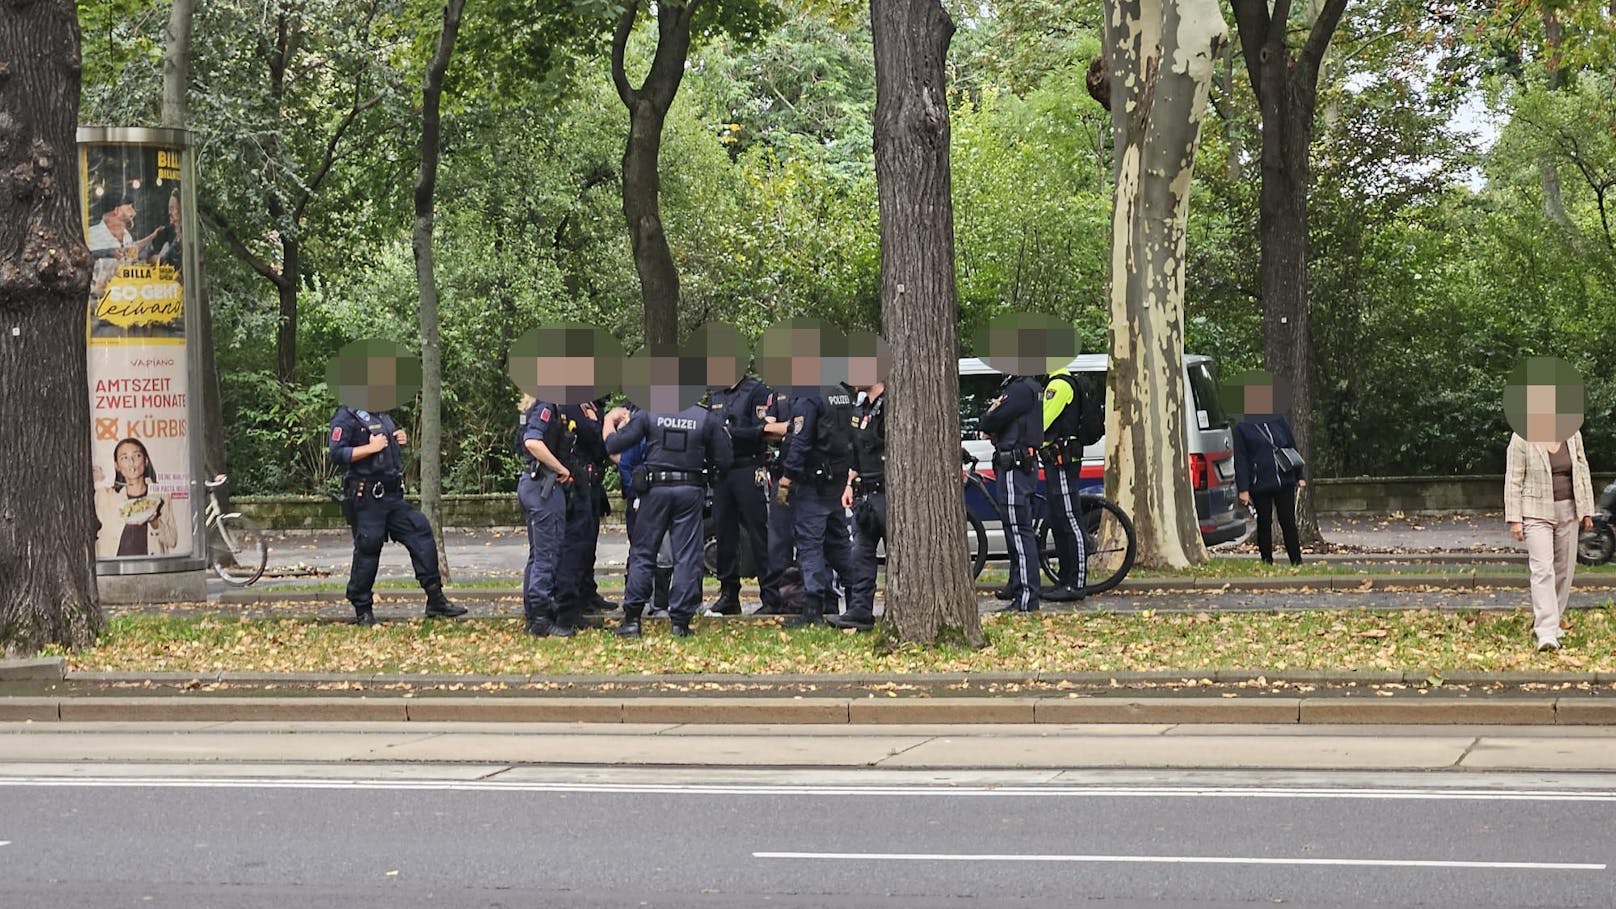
(1254, 466)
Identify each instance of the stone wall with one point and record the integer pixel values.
(1353, 495)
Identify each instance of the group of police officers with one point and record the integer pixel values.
(784, 469)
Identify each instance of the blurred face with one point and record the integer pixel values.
(126, 214)
(173, 210)
(131, 462)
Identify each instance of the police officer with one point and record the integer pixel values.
(542, 491)
(588, 590)
(670, 485)
(575, 570)
(1062, 454)
(368, 445)
(781, 536)
(819, 455)
(866, 495)
(740, 493)
(1015, 424)
(662, 577)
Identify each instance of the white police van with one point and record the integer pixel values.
(1209, 438)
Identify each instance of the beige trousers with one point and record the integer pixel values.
(1551, 547)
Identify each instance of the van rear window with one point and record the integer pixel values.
(976, 394)
(1204, 385)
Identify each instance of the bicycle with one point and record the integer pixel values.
(1101, 520)
(236, 548)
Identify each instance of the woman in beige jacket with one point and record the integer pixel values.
(1548, 490)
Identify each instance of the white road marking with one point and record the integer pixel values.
(1175, 860)
(910, 791)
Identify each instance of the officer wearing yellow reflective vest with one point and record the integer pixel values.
(1070, 412)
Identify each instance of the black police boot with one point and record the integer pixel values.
(813, 613)
(1003, 593)
(630, 626)
(680, 629)
(858, 621)
(1062, 594)
(772, 606)
(536, 622)
(599, 605)
(439, 607)
(364, 618)
(566, 618)
(728, 602)
(661, 588)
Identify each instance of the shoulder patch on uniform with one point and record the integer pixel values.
(336, 433)
(1049, 394)
(761, 410)
(544, 414)
(796, 425)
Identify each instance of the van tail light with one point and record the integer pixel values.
(1201, 475)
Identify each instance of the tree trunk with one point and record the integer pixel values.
(929, 595)
(1282, 231)
(177, 63)
(176, 107)
(286, 326)
(653, 260)
(47, 567)
(1163, 52)
(1548, 174)
(647, 110)
(1286, 85)
(426, 185)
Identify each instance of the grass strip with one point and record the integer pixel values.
(1444, 641)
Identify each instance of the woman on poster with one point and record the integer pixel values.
(136, 519)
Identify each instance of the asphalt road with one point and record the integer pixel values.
(225, 844)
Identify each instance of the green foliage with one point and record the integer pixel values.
(1434, 268)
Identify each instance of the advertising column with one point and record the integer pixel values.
(144, 420)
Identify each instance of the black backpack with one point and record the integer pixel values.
(1090, 418)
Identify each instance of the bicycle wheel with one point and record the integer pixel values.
(976, 540)
(1108, 541)
(238, 550)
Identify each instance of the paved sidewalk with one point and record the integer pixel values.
(483, 554)
(521, 752)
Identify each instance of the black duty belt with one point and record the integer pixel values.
(1014, 459)
(375, 489)
(676, 478)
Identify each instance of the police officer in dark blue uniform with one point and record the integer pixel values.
(662, 578)
(866, 495)
(670, 487)
(1015, 423)
(368, 444)
(542, 491)
(575, 571)
(740, 493)
(819, 454)
(782, 546)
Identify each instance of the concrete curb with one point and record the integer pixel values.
(831, 711)
(36, 669)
